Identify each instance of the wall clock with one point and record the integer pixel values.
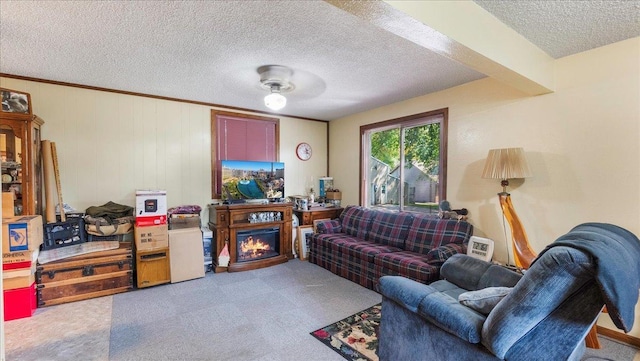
(303, 151)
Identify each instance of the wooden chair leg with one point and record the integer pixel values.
(592, 338)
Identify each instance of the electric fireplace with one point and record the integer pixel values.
(257, 244)
(256, 235)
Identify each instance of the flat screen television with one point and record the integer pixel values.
(243, 179)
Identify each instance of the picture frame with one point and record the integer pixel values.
(15, 104)
(303, 243)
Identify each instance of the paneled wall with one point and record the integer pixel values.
(111, 144)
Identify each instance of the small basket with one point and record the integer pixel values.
(61, 234)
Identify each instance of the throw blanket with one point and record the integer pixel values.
(616, 252)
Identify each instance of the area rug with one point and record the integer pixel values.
(356, 337)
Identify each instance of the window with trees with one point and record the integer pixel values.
(403, 163)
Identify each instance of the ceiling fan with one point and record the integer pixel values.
(276, 79)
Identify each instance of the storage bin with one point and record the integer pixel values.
(180, 222)
(19, 303)
(62, 234)
(86, 276)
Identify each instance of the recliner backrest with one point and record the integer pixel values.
(557, 298)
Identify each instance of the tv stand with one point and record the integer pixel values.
(225, 221)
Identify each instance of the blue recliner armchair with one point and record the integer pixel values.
(544, 314)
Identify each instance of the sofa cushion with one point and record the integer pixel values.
(448, 314)
(484, 300)
(428, 232)
(365, 250)
(434, 306)
(328, 226)
(390, 228)
(473, 274)
(356, 221)
(331, 241)
(408, 264)
(438, 256)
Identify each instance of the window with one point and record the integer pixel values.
(403, 163)
(236, 136)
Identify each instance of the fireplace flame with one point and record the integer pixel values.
(253, 247)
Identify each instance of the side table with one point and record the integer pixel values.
(307, 217)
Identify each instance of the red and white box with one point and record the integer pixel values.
(151, 207)
(151, 221)
(20, 259)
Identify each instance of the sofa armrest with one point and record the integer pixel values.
(434, 306)
(439, 255)
(329, 226)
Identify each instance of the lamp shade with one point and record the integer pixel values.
(506, 163)
(275, 101)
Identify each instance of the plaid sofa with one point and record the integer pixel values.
(365, 244)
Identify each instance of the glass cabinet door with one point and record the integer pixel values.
(11, 153)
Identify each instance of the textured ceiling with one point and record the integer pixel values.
(208, 51)
(566, 27)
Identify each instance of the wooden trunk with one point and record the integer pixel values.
(86, 276)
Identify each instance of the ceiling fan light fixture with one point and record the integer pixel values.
(275, 100)
(275, 78)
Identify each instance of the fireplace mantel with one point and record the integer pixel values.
(226, 220)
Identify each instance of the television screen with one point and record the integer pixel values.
(243, 179)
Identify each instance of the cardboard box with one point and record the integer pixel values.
(334, 195)
(187, 258)
(20, 259)
(19, 278)
(151, 237)
(7, 204)
(151, 203)
(21, 233)
(184, 222)
(20, 302)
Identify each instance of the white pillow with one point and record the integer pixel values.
(484, 300)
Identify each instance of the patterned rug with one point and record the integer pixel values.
(356, 337)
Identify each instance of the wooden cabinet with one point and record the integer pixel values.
(227, 221)
(21, 164)
(153, 267)
(307, 217)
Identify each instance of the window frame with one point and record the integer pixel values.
(215, 194)
(405, 122)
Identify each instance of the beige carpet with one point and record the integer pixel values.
(72, 331)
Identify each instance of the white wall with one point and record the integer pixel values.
(582, 143)
(111, 144)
